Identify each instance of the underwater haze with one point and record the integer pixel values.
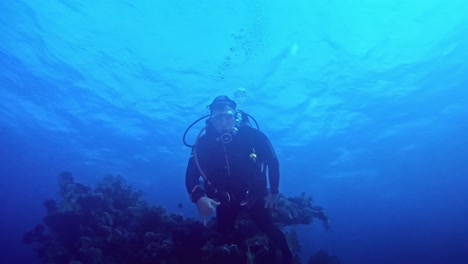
(365, 102)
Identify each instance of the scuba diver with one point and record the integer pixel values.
(233, 160)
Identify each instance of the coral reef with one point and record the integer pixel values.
(112, 224)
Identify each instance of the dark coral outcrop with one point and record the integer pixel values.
(112, 224)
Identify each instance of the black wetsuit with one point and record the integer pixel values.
(237, 172)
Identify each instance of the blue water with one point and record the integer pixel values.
(366, 103)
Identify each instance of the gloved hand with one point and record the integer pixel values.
(206, 206)
(270, 200)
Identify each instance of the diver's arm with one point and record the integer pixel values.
(273, 172)
(205, 205)
(192, 180)
(272, 162)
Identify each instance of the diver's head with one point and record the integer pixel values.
(220, 102)
(223, 114)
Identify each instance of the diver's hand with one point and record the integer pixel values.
(206, 206)
(270, 200)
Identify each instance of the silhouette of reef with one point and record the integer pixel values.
(112, 224)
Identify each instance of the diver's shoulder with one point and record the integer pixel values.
(252, 131)
(207, 138)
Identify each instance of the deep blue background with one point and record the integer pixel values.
(364, 101)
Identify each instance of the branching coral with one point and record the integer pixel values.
(112, 224)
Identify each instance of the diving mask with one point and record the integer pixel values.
(224, 118)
